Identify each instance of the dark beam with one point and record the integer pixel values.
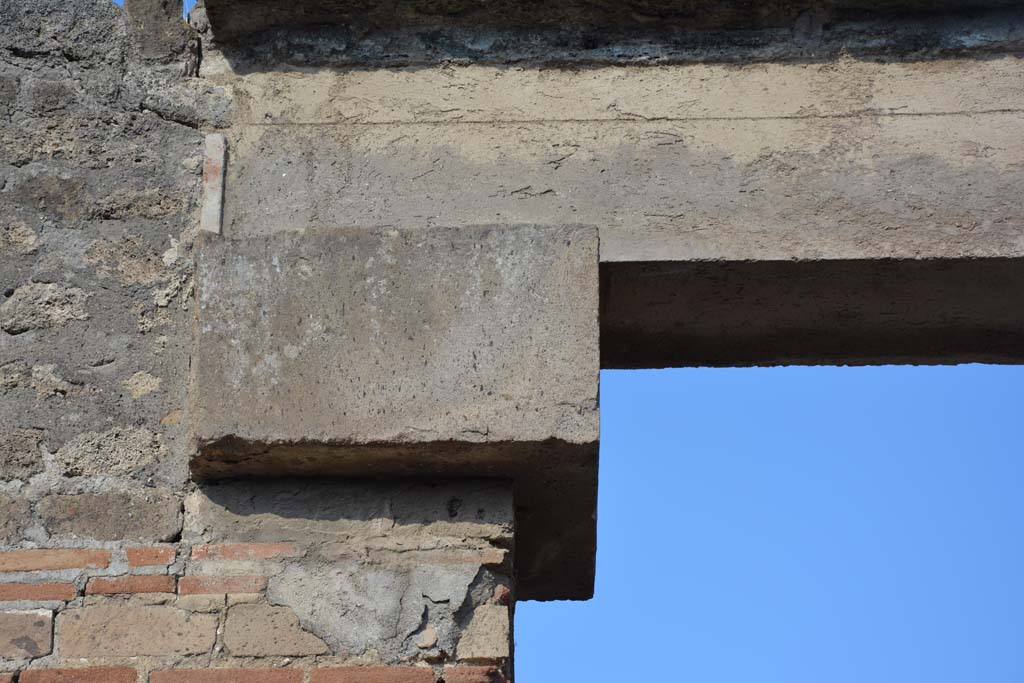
(741, 313)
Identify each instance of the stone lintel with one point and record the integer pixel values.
(812, 312)
(234, 19)
(466, 352)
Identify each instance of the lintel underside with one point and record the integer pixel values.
(828, 312)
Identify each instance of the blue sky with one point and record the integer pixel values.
(800, 525)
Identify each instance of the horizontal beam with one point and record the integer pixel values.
(233, 19)
(839, 212)
(867, 312)
(844, 160)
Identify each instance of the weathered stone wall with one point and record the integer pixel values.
(332, 580)
(114, 565)
(831, 182)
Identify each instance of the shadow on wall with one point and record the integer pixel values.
(398, 568)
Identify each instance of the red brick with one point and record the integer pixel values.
(96, 674)
(474, 674)
(244, 551)
(64, 558)
(6, 678)
(502, 595)
(151, 556)
(373, 674)
(193, 585)
(37, 591)
(227, 676)
(129, 584)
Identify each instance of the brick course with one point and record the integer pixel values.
(37, 591)
(192, 585)
(227, 676)
(129, 584)
(373, 674)
(65, 558)
(97, 674)
(151, 556)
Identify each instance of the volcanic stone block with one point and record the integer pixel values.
(469, 352)
(478, 335)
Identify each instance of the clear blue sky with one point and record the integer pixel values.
(800, 525)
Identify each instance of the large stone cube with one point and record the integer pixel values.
(428, 352)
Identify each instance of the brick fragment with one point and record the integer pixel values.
(373, 674)
(64, 558)
(95, 674)
(227, 676)
(37, 591)
(474, 674)
(6, 678)
(244, 551)
(151, 556)
(26, 634)
(192, 585)
(101, 585)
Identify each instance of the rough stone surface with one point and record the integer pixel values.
(15, 515)
(468, 352)
(146, 515)
(123, 451)
(47, 559)
(158, 27)
(396, 336)
(486, 638)
(841, 159)
(745, 184)
(25, 635)
(133, 630)
(359, 607)
(20, 457)
(39, 306)
(261, 630)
